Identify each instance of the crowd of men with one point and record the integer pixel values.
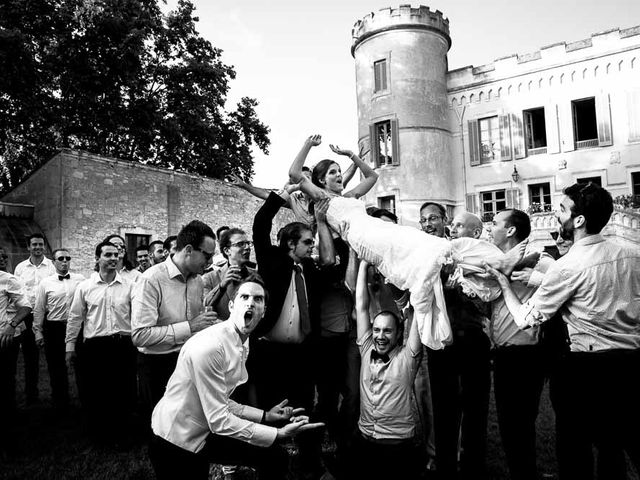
(225, 358)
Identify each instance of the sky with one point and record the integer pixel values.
(294, 57)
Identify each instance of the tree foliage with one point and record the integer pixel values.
(118, 78)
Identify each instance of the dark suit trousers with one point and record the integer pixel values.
(596, 397)
(518, 379)
(31, 355)
(109, 376)
(460, 385)
(171, 462)
(154, 372)
(54, 351)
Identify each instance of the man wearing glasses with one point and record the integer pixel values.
(220, 285)
(433, 218)
(167, 308)
(53, 299)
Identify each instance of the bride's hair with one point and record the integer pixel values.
(320, 171)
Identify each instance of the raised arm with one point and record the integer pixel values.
(261, 193)
(370, 177)
(362, 301)
(295, 171)
(348, 174)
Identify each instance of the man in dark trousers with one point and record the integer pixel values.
(281, 361)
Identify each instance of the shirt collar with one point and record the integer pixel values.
(95, 276)
(172, 269)
(590, 240)
(44, 263)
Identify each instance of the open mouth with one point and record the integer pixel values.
(248, 315)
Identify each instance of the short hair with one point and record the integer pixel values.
(593, 202)
(520, 220)
(320, 171)
(58, 250)
(155, 242)
(103, 244)
(193, 233)
(396, 318)
(306, 169)
(115, 235)
(443, 211)
(34, 235)
(225, 238)
(292, 231)
(220, 230)
(140, 248)
(253, 277)
(383, 212)
(167, 242)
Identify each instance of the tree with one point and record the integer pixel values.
(122, 79)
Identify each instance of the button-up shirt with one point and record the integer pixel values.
(53, 298)
(31, 275)
(197, 400)
(163, 303)
(287, 328)
(12, 297)
(596, 289)
(386, 411)
(105, 309)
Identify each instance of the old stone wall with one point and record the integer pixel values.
(81, 198)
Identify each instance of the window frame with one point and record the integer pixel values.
(487, 215)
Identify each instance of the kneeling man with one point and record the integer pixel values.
(197, 423)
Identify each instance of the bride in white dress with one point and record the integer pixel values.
(406, 256)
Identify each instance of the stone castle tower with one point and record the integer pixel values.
(401, 82)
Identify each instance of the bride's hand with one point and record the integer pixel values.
(337, 150)
(314, 140)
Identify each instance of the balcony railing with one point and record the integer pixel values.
(587, 143)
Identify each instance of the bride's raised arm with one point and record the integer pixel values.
(295, 171)
(370, 176)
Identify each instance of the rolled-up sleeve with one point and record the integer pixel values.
(145, 331)
(224, 416)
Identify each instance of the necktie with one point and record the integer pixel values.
(62, 277)
(303, 304)
(379, 356)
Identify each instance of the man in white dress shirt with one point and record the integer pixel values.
(31, 272)
(102, 303)
(196, 422)
(53, 299)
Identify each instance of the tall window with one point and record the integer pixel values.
(585, 126)
(540, 194)
(596, 180)
(635, 183)
(492, 202)
(384, 143)
(133, 241)
(380, 75)
(489, 139)
(388, 203)
(535, 131)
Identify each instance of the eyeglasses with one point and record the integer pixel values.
(243, 244)
(430, 219)
(63, 259)
(208, 256)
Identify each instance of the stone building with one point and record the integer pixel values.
(514, 132)
(76, 199)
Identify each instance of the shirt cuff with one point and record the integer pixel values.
(263, 435)
(71, 347)
(527, 316)
(251, 413)
(38, 336)
(181, 332)
(535, 280)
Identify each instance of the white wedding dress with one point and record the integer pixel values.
(412, 259)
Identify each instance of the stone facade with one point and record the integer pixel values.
(459, 135)
(80, 198)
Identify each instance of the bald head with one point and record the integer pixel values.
(466, 224)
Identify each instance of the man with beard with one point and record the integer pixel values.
(196, 422)
(387, 425)
(220, 284)
(595, 288)
(102, 308)
(167, 308)
(156, 252)
(142, 258)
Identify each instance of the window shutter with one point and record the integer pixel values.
(383, 75)
(517, 136)
(567, 140)
(395, 143)
(474, 142)
(512, 197)
(603, 116)
(472, 203)
(375, 145)
(551, 125)
(505, 137)
(633, 106)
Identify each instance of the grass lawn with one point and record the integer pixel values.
(50, 445)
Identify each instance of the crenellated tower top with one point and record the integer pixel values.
(404, 17)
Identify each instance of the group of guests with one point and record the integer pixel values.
(325, 334)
